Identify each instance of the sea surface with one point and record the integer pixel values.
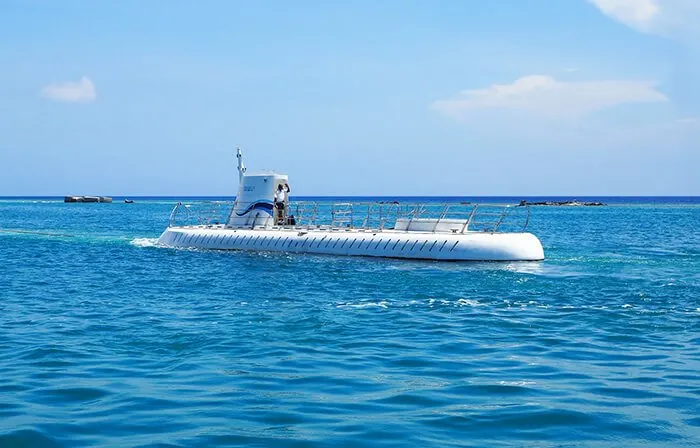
(107, 339)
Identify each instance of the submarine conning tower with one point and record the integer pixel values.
(254, 204)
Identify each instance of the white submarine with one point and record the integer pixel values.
(263, 220)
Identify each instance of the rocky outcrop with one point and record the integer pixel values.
(87, 199)
(571, 203)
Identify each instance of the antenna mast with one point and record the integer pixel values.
(241, 167)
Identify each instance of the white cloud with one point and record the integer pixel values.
(545, 96)
(82, 91)
(677, 19)
(635, 13)
(688, 121)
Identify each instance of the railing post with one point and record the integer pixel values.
(469, 220)
(173, 214)
(527, 219)
(505, 210)
(445, 208)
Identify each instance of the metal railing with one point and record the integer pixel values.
(200, 213)
(453, 217)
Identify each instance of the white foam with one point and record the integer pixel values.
(144, 242)
(517, 383)
(468, 302)
(382, 304)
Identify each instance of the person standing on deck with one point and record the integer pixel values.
(281, 198)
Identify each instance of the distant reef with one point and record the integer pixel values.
(571, 203)
(87, 199)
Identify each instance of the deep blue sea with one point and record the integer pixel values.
(109, 340)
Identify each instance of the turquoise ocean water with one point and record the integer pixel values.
(107, 340)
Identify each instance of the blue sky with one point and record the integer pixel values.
(508, 97)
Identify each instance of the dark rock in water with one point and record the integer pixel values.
(87, 199)
(573, 203)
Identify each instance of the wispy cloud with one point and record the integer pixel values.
(547, 97)
(638, 14)
(82, 91)
(677, 19)
(689, 121)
